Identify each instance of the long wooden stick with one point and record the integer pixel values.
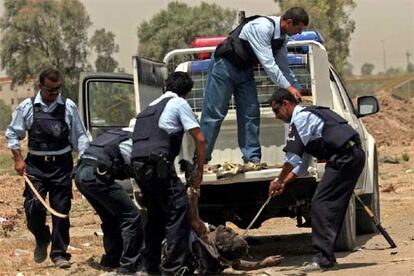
(40, 198)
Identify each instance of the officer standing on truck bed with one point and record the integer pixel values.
(259, 39)
(157, 139)
(54, 127)
(107, 159)
(319, 132)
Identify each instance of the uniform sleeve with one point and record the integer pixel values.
(78, 136)
(308, 127)
(16, 131)
(302, 168)
(187, 117)
(281, 59)
(126, 148)
(259, 35)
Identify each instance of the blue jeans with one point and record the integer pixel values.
(224, 80)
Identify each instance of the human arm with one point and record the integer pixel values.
(199, 141)
(16, 131)
(78, 136)
(249, 265)
(19, 164)
(259, 33)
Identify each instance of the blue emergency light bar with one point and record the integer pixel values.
(197, 66)
(308, 35)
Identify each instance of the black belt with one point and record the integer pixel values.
(50, 158)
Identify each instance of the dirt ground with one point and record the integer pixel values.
(276, 236)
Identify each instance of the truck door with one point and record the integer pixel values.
(106, 100)
(149, 78)
(319, 69)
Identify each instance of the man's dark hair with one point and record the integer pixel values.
(179, 83)
(230, 245)
(297, 14)
(282, 94)
(51, 74)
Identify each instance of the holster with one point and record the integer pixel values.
(138, 170)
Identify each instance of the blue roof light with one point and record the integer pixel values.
(308, 35)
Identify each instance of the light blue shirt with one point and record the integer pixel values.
(259, 33)
(177, 114)
(22, 120)
(125, 148)
(309, 127)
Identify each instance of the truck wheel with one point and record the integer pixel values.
(364, 224)
(347, 234)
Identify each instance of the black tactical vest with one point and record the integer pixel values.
(336, 133)
(49, 131)
(238, 51)
(148, 139)
(105, 147)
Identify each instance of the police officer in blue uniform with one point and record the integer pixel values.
(54, 128)
(107, 159)
(258, 40)
(157, 139)
(319, 132)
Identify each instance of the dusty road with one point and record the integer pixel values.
(276, 236)
(394, 132)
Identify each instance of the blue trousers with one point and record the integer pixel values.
(225, 80)
(121, 220)
(330, 201)
(53, 178)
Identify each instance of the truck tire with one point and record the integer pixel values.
(347, 235)
(363, 223)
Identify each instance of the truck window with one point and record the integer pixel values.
(111, 104)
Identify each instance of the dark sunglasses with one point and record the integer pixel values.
(55, 90)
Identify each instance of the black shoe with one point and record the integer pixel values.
(108, 264)
(62, 263)
(40, 251)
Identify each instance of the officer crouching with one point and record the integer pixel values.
(107, 159)
(157, 141)
(318, 131)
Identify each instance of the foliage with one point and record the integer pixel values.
(405, 157)
(394, 71)
(179, 24)
(5, 115)
(332, 19)
(367, 68)
(114, 106)
(103, 43)
(36, 33)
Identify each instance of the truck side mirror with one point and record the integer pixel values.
(367, 105)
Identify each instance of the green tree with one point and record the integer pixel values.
(36, 33)
(179, 24)
(367, 68)
(5, 115)
(331, 18)
(103, 43)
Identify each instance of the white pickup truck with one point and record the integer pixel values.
(108, 100)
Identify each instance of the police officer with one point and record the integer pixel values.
(107, 159)
(319, 132)
(259, 39)
(54, 128)
(157, 141)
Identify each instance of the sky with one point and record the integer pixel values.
(382, 26)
